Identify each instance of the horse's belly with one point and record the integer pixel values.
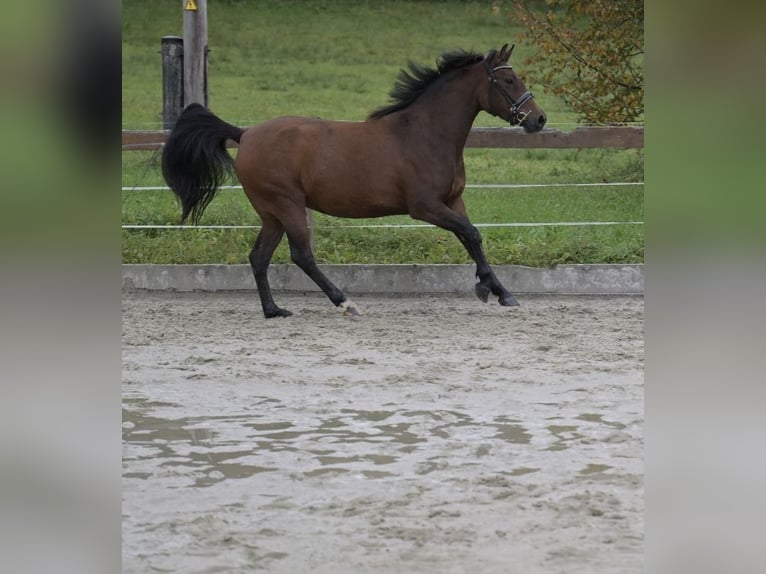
(360, 204)
(354, 185)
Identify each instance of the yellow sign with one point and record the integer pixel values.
(191, 6)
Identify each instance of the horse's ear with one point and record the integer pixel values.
(505, 53)
(496, 57)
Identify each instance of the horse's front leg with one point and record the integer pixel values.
(488, 283)
(454, 219)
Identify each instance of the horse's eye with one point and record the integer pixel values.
(509, 81)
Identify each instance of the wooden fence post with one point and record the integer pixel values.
(172, 80)
(195, 52)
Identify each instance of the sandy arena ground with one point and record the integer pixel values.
(433, 435)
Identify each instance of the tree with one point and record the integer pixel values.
(590, 53)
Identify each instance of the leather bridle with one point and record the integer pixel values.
(517, 116)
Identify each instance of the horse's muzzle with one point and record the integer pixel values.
(533, 122)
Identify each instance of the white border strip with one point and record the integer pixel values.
(626, 279)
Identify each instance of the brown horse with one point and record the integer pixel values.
(406, 158)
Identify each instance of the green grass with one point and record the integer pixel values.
(338, 60)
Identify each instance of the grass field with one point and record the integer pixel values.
(338, 60)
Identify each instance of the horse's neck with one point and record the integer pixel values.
(444, 117)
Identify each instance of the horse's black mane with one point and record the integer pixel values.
(411, 85)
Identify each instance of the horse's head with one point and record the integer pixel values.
(507, 96)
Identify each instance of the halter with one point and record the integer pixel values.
(516, 115)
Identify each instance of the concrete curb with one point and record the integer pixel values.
(391, 279)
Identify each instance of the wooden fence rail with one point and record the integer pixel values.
(617, 137)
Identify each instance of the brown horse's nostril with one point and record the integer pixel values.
(541, 120)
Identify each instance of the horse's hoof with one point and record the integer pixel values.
(276, 312)
(348, 308)
(482, 292)
(508, 300)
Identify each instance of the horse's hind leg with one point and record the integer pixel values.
(303, 257)
(260, 257)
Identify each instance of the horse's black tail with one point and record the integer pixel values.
(195, 162)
